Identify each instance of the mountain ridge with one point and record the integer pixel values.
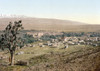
(48, 24)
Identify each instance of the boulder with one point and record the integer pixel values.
(22, 63)
(19, 53)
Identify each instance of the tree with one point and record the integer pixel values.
(10, 38)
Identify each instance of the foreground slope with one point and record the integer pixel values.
(75, 58)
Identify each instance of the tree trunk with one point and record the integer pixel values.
(12, 58)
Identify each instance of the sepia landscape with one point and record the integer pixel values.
(32, 43)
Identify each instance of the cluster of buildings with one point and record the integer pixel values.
(57, 42)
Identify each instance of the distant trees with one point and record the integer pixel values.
(29, 38)
(72, 34)
(10, 38)
(48, 37)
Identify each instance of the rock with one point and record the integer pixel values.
(3, 57)
(19, 53)
(66, 46)
(22, 63)
(42, 46)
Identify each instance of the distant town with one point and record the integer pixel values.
(55, 39)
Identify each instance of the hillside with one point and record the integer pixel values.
(50, 24)
(74, 58)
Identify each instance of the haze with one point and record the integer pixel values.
(87, 11)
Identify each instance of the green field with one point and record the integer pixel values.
(44, 50)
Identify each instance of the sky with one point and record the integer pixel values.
(87, 11)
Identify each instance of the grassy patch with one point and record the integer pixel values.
(39, 59)
(12, 68)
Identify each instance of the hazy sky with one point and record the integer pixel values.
(87, 11)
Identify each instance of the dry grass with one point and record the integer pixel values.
(75, 58)
(75, 61)
(30, 52)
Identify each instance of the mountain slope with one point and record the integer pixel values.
(49, 24)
